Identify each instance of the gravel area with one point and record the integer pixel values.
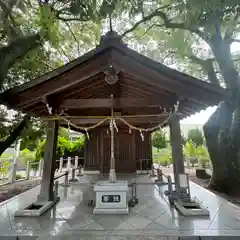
(13, 189)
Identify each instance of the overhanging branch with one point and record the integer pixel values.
(69, 27)
(207, 66)
(143, 20)
(167, 23)
(232, 27)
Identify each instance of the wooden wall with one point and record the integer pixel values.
(129, 149)
(143, 151)
(92, 150)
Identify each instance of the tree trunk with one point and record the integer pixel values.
(13, 136)
(222, 131)
(207, 66)
(223, 56)
(216, 131)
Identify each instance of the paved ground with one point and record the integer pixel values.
(151, 219)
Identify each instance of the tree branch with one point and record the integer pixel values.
(144, 19)
(232, 26)
(64, 53)
(13, 135)
(167, 56)
(167, 23)
(16, 49)
(207, 66)
(72, 19)
(69, 27)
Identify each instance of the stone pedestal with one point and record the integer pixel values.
(111, 198)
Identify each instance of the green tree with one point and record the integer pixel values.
(78, 146)
(27, 155)
(190, 152)
(203, 156)
(196, 136)
(159, 140)
(32, 134)
(64, 146)
(30, 37)
(196, 36)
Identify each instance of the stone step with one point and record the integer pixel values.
(210, 238)
(18, 237)
(108, 237)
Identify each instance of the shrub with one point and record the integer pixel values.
(159, 140)
(4, 167)
(196, 136)
(189, 149)
(193, 160)
(19, 176)
(78, 145)
(64, 147)
(203, 156)
(163, 159)
(202, 151)
(29, 156)
(203, 162)
(190, 153)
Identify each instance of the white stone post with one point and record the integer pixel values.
(80, 171)
(61, 164)
(14, 170)
(40, 167)
(66, 182)
(76, 162)
(17, 149)
(69, 164)
(56, 197)
(28, 170)
(73, 179)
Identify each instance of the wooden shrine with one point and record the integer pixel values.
(145, 94)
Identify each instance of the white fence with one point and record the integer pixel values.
(9, 173)
(72, 162)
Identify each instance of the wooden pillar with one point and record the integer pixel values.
(46, 192)
(177, 153)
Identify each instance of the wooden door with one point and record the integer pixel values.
(124, 152)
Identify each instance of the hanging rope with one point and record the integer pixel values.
(86, 129)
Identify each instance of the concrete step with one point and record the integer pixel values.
(109, 237)
(18, 237)
(210, 238)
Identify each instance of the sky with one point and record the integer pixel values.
(199, 118)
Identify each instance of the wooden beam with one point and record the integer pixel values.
(132, 120)
(136, 121)
(115, 103)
